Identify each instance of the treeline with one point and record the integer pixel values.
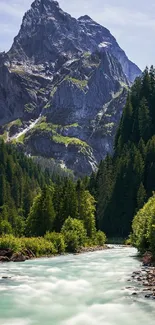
(126, 180)
(31, 204)
(143, 228)
(20, 181)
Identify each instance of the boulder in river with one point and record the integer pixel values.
(18, 257)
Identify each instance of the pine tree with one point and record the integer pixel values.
(42, 215)
(126, 123)
(144, 120)
(87, 209)
(141, 197)
(146, 85)
(150, 167)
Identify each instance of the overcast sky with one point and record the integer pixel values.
(132, 22)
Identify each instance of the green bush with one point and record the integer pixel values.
(9, 241)
(100, 238)
(74, 234)
(57, 240)
(128, 241)
(19, 226)
(143, 226)
(5, 227)
(39, 246)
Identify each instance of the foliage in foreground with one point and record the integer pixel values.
(38, 246)
(57, 240)
(71, 239)
(74, 234)
(143, 226)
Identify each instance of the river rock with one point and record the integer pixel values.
(28, 253)
(147, 259)
(18, 257)
(148, 296)
(4, 259)
(6, 252)
(136, 272)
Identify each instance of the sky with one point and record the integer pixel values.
(132, 22)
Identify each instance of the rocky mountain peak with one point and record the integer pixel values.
(47, 33)
(50, 4)
(42, 9)
(85, 18)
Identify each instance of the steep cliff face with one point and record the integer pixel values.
(63, 85)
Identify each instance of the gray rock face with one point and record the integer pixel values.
(73, 74)
(47, 32)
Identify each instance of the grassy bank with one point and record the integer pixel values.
(49, 245)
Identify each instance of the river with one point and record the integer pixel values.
(86, 289)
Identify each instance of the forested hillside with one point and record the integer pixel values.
(20, 181)
(126, 180)
(32, 204)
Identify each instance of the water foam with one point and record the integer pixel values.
(88, 289)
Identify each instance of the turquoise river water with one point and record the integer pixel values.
(86, 289)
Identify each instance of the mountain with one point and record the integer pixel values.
(63, 85)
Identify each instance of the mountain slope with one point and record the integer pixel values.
(125, 180)
(73, 74)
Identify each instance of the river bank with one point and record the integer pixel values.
(7, 255)
(146, 281)
(146, 276)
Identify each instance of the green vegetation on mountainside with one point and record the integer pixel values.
(80, 83)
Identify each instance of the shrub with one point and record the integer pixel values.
(19, 226)
(143, 227)
(74, 234)
(100, 238)
(9, 241)
(57, 240)
(5, 227)
(39, 246)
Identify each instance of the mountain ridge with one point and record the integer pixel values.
(73, 74)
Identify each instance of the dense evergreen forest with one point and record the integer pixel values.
(126, 180)
(34, 204)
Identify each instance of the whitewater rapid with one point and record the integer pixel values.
(87, 289)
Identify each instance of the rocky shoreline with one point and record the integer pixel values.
(91, 249)
(145, 278)
(7, 255)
